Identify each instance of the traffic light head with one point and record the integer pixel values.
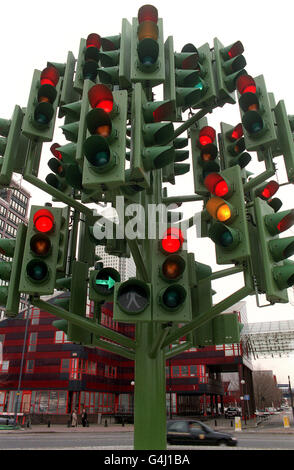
(39, 120)
(229, 64)
(274, 272)
(101, 285)
(104, 147)
(40, 256)
(232, 146)
(132, 301)
(256, 113)
(228, 230)
(147, 54)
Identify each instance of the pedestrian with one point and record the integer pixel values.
(84, 418)
(74, 419)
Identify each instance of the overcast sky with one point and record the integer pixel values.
(33, 32)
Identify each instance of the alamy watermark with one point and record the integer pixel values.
(135, 221)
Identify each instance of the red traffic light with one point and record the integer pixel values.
(246, 84)
(206, 135)
(43, 220)
(172, 240)
(49, 76)
(235, 49)
(163, 112)
(236, 133)
(101, 97)
(55, 152)
(269, 190)
(216, 185)
(148, 13)
(93, 40)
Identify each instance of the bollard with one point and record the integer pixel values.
(105, 423)
(49, 423)
(215, 422)
(123, 422)
(231, 423)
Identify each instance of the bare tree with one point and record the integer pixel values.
(266, 392)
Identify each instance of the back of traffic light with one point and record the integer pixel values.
(150, 137)
(40, 254)
(147, 50)
(285, 138)
(273, 272)
(229, 227)
(105, 143)
(11, 151)
(232, 146)
(39, 120)
(204, 154)
(189, 78)
(177, 167)
(10, 271)
(229, 65)
(257, 117)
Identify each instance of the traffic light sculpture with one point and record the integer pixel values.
(204, 155)
(40, 255)
(147, 50)
(274, 273)
(122, 142)
(104, 147)
(257, 117)
(41, 110)
(229, 228)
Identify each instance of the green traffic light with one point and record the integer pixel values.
(37, 271)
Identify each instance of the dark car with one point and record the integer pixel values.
(5, 419)
(196, 432)
(232, 412)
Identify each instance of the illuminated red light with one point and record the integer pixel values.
(216, 185)
(206, 135)
(43, 220)
(246, 84)
(172, 240)
(49, 76)
(236, 49)
(101, 97)
(270, 189)
(55, 152)
(147, 13)
(237, 132)
(286, 222)
(93, 40)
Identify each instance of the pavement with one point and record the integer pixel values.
(253, 425)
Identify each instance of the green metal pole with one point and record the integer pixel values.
(150, 399)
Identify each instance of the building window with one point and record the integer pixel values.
(110, 371)
(35, 316)
(65, 365)
(30, 365)
(60, 337)
(33, 342)
(91, 367)
(4, 367)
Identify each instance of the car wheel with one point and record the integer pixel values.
(222, 443)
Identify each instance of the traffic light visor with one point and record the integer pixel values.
(49, 76)
(206, 135)
(246, 84)
(148, 13)
(219, 209)
(101, 97)
(217, 185)
(93, 40)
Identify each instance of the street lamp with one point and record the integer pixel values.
(242, 381)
